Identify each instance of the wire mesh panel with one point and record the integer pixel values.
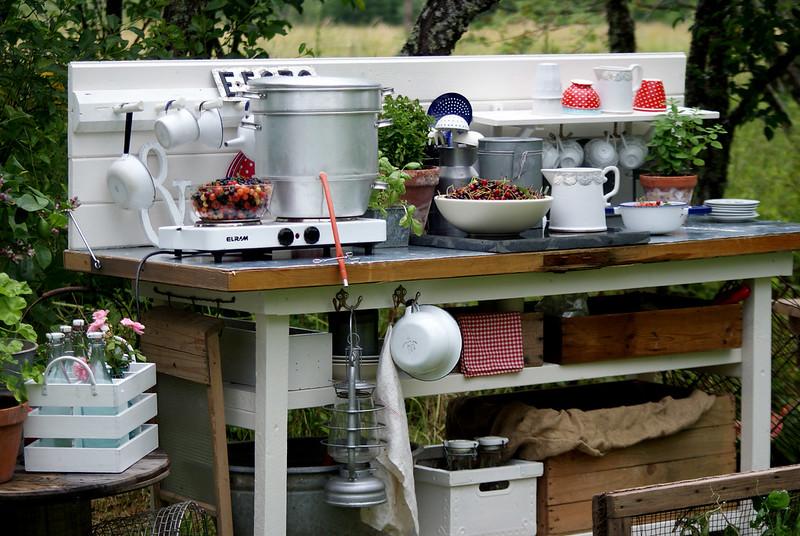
(785, 376)
(179, 519)
(758, 503)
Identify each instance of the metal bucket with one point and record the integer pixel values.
(516, 159)
(306, 509)
(456, 168)
(306, 125)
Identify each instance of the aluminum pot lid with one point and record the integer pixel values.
(291, 83)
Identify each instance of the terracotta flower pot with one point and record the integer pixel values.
(12, 415)
(660, 188)
(420, 189)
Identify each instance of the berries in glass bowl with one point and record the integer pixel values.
(232, 199)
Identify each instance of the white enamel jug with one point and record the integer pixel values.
(579, 205)
(616, 86)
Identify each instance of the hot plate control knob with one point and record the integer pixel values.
(285, 236)
(311, 235)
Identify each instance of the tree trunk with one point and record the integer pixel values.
(440, 25)
(621, 28)
(707, 88)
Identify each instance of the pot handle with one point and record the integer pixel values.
(380, 185)
(380, 123)
(615, 190)
(387, 91)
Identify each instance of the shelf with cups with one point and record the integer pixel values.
(528, 118)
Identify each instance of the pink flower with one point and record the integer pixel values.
(135, 326)
(80, 371)
(99, 317)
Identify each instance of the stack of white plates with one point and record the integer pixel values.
(733, 210)
(369, 367)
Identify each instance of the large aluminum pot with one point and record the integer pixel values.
(305, 125)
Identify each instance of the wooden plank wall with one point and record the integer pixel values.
(95, 132)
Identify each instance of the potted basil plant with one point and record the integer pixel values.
(386, 201)
(404, 143)
(679, 140)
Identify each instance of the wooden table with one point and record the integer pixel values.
(60, 503)
(702, 251)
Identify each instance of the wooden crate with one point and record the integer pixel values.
(570, 480)
(565, 490)
(616, 329)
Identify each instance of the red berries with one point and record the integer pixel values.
(493, 190)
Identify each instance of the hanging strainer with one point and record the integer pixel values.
(451, 103)
(452, 122)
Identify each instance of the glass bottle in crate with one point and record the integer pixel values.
(491, 450)
(97, 364)
(79, 341)
(56, 374)
(68, 348)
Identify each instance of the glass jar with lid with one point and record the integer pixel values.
(460, 454)
(491, 450)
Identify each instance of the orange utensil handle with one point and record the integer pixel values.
(339, 252)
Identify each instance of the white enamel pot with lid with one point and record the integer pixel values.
(426, 342)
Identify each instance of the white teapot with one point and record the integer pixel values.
(579, 205)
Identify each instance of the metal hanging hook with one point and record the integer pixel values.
(340, 301)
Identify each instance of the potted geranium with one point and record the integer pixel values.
(17, 345)
(404, 144)
(675, 151)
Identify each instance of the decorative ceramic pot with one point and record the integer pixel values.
(420, 189)
(660, 188)
(580, 98)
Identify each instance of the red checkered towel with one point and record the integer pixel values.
(492, 343)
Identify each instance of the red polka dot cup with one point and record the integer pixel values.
(580, 98)
(650, 97)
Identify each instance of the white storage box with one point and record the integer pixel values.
(479, 502)
(310, 362)
(109, 440)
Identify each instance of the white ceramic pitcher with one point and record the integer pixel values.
(616, 86)
(579, 205)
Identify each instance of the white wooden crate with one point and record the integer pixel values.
(140, 377)
(130, 408)
(91, 460)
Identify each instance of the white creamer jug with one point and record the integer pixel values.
(616, 85)
(579, 204)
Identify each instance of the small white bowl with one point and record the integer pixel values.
(493, 217)
(661, 219)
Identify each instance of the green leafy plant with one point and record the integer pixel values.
(12, 332)
(389, 193)
(776, 514)
(678, 141)
(405, 140)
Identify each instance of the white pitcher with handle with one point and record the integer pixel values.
(579, 204)
(616, 86)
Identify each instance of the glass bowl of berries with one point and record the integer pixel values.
(493, 207)
(232, 199)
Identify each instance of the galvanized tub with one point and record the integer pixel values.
(309, 124)
(516, 159)
(306, 509)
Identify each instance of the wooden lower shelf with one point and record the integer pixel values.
(240, 399)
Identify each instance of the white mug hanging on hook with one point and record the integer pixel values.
(616, 85)
(176, 127)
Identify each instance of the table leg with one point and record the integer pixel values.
(756, 376)
(272, 384)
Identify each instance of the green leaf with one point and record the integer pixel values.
(43, 257)
(27, 332)
(30, 203)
